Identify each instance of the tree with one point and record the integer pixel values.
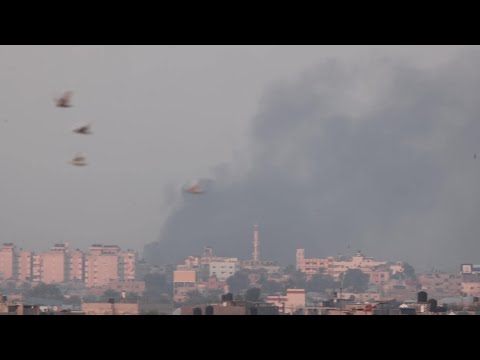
(252, 295)
(289, 269)
(11, 285)
(45, 291)
(297, 280)
(132, 298)
(409, 271)
(156, 286)
(195, 298)
(90, 299)
(271, 287)
(356, 280)
(238, 282)
(26, 286)
(397, 276)
(107, 295)
(263, 278)
(319, 283)
(73, 300)
(213, 296)
(150, 312)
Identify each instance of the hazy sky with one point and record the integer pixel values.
(319, 119)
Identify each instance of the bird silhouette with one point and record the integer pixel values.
(83, 130)
(195, 189)
(79, 160)
(65, 100)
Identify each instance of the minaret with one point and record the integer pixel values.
(207, 252)
(256, 244)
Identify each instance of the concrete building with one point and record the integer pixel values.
(184, 282)
(223, 269)
(288, 304)
(359, 297)
(217, 309)
(101, 267)
(378, 276)
(36, 268)
(312, 266)
(471, 288)
(128, 260)
(128, 286)
(7, 261)
(269, 266)
(76, 266)
(232, 308)
(110, 309)
(397, 267)
(14, 308)
(60, 265)
(470, 269)
(54, 265)
(335, 268)
(441, 284)
(24, 266)
(195, 262)
(106, 263)
(214, 284)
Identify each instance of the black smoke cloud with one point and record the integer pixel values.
(377, 157)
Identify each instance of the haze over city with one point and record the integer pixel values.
(328, 148)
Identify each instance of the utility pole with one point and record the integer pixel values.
(112, 302)
(341, 290)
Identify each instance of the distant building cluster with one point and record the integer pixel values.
(378, 270)
(101, 266)
(209, 284)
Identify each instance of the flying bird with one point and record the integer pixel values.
(79, 160)
(196, 189)
(84, 130)
(65, 100)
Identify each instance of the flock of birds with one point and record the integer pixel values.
(66, 102)
(80, 159)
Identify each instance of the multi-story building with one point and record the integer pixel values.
(101, 265)
(128, 259)
(110, 309)
(107, 263)
(312, 266)
(60, 265)
(441, 284)
(76, 266)
(223, 269)
(471, 284)
(36, 268)
(54, 265)
(333, 267)
(7, 261)
(184, 282)
(24, 265)
(378, 276)
(468, 269)
(471, 289)
(288, 304)
(270, 267)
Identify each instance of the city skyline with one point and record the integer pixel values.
(325, 147)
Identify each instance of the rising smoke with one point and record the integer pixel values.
(377, 156)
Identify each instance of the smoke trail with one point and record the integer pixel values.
(379, 155)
